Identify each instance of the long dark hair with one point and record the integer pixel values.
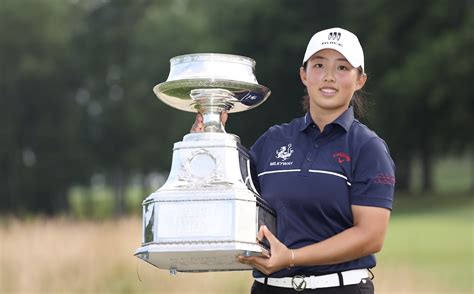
(358, 101)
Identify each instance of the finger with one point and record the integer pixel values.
(197, 127)
(198, 117)
(224, 117)
(258, 263)
(269, 235)
(245, 260)
(240, 259)
(260, 234)
(261, 269)
(251, 260)
(261, 264)
(266, 254)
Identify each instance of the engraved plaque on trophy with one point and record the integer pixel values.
(208, 211)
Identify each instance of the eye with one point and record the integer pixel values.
(318, 65)
(342, 67)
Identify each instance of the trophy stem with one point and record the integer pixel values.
(211, 103)
(212, 121)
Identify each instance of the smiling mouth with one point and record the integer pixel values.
(328, 91)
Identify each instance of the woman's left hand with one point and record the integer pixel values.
(280, 255)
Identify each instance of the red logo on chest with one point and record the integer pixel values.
(341, 157)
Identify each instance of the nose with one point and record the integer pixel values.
(329, 76)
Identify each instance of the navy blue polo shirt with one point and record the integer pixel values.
(311, 179)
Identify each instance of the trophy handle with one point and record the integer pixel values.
(210, 103)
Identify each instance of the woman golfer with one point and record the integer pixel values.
(329, 178)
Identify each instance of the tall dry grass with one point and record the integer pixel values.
(61, 255)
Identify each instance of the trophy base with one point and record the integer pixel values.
(199, 257)
(208, 211)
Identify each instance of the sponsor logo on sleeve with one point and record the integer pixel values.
(384, 179)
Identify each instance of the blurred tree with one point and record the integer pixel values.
(105, 46)
(419, 58)
(167, 29)
(39, 151)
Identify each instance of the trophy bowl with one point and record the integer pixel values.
(233, 73)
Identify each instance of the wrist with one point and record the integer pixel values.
(292, 258)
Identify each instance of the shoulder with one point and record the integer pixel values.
(281, 132)
(366, 144)
(363, 136)
(285, 129)
(362, 132)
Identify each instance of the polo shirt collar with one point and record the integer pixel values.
(306, 121)
(344, 120)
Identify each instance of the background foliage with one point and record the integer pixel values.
(77, 109)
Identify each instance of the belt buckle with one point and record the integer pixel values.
(298, 283)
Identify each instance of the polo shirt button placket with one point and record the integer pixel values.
(306, 165)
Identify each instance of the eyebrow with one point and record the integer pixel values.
(322, 57)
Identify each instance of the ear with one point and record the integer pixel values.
(303, 76)
(361, 81)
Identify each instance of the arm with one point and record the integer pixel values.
(364, 238)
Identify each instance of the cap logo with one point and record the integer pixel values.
(335, 36)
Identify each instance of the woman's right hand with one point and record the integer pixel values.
(198, 126)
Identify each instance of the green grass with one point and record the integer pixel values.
(434, 236)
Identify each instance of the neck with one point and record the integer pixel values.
(322, 117)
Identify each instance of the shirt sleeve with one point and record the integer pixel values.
(255, 154)
(373, 180)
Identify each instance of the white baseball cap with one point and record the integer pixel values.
(340, 40)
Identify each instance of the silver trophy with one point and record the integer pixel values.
(208, 211)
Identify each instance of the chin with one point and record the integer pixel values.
(331, 106)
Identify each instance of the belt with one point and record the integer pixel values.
(299, 283)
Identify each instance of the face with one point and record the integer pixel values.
(330, 81)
